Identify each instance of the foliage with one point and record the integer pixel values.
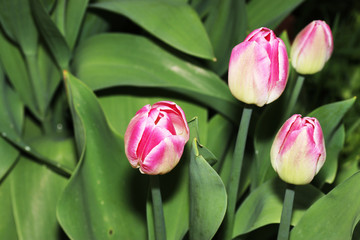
(73, 74)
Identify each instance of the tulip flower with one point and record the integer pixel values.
(312, 48)
(298, 151)
(258, 68)
(155, 138)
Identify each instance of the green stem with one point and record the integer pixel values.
(284, 228)
(159, 222)
(295, 95)
(235, 173)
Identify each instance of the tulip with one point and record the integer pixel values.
(155, 138)
(312, 48)
(298, 151)
(258, 68)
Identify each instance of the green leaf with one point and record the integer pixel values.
(7, 221)
(220, 131)
(264, 205)
(51, 34)
(334, 146)
(262, 14)
(17, 21)
(75, 11)
(226, 25)
(16, 70)
(330, 115)
(175, 23)
(334, 216)
(208, 197)
(110, 60)
(105, 197)
(35, 190)
(11, 123)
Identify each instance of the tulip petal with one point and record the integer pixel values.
(163, 157)
(134, 134)
(249, 72)
(177, 116)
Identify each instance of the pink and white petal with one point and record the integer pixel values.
(177, 116)
(295, 166)
(283, 72)
(249, 71)
(134, 133)
(164, 157)
(300, 42)
(156, 136)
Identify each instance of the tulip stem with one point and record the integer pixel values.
(284, 228)
(295, 95)
(235, 173)
(159, 222)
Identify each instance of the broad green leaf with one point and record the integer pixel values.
(11, 123)
(264, 205)
(220, 131)
(263, 14)
(330, 115)
(110, 60)
(334, 216)
(334, 146)
(175, 23)
(35, 190)
(17, 21)
(93, 24)
(105, 197)
(16, 70)
(208, 197)
(51, 34)
(75, 12)
(7, 221)
(203, 7)
(226, 25)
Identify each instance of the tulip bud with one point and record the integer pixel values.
(312, 48)
(155, 138)
(298, 151)
(258, 68)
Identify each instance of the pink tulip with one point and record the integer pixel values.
(312, 48)
(155, 138)
(258, 68)
(298, 151)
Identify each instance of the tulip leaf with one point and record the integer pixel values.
(110, 60)
(75, 12)
(264, 205)
(334, 216)
(219, 138)
(175, 23)
(262, 14)
(226, 24)
(36, 187)
(17, 21)
(7, 221)
(11, 122)
(334, 146)
(208, 197)
(105, 196)
(16, 70)
(330, 116)
(51, 34)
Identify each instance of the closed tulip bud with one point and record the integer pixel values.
(155, 138)
(312, 48)
(298, 151)
(258, 68)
